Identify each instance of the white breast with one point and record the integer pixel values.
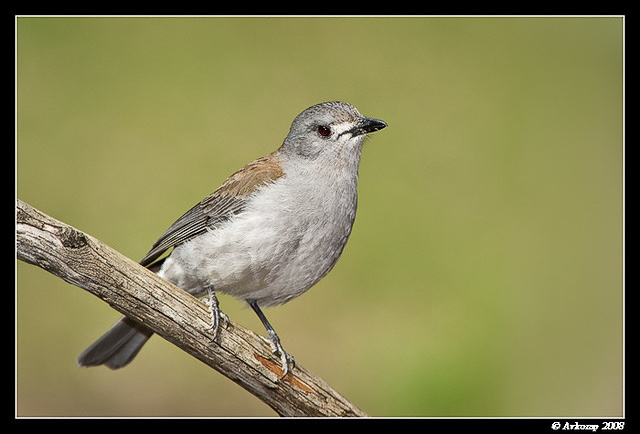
(289, 237)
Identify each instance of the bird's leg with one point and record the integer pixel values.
(216, 313)
(288, 363)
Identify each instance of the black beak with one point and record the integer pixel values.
(370, 125)
(367, 125)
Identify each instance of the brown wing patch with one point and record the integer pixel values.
(246, 180)
(222, 204)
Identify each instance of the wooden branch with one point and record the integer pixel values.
(172, 313)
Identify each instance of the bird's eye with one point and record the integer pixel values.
(323, 130)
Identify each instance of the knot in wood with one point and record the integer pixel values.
(74, 239)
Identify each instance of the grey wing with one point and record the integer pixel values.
(220, 206)
(206, 215)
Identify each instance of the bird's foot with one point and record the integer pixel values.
(216, 314)
(287, 360)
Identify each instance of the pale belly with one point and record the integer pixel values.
(269, 257)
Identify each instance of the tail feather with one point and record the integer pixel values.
(118, 346)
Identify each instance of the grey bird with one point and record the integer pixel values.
(270, 232)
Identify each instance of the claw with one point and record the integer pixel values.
(216, 313)
(288, 363)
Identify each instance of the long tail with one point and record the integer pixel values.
(118, 346)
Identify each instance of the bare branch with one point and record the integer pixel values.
(172, 313)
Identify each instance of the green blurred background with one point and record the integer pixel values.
(484, 273)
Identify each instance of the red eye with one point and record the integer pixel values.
(324, 131)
